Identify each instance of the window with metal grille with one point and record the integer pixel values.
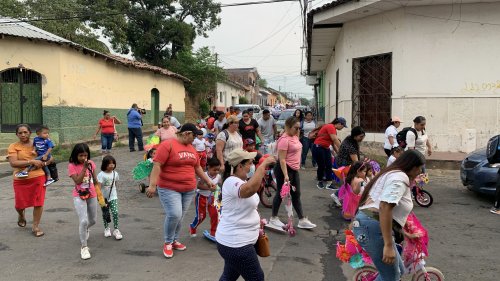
(371, 92)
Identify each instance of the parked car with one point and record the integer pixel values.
(256, 109)
(477, 174)
(280, 124)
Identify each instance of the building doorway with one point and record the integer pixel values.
(155, 106)
(20, 99)
(372, 91)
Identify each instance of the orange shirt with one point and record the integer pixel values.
(24, 153)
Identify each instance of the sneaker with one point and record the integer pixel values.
(178, 246)
(117, 234)
(22, 174)
(107, 232)
(168, 252)
(276, 222)
(305, 224)
(336, 200)
(320, 185)
(192, 231)
(209, 236)
(85, 253)
(49, 182)
(331, 186)
(302, 167)
(495, 211)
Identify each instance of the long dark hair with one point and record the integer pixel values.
(355, 167)
(77, 149)
(301, 116)
(108, 159)
(405, 163)
(356, 131)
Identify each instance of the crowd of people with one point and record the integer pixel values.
(219, 156)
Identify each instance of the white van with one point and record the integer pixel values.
(257, 112)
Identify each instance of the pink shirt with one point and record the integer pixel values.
(87, 180)
(293, 149)
(166, 134)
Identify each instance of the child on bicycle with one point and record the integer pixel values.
(204, 201)
(395, 153)
(350, 192)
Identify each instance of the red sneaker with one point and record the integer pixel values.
(192, 231)
(168, 252)
(178, 246)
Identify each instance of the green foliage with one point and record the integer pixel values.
(200, 67)
(262, 83)
(243, 100)
(304, 101)
(204, 108)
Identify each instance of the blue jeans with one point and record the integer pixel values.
(107, 141)
(45, 168)
(135, 133)
(323, 157)
(306, 145)
(369, 236)
(175, 205)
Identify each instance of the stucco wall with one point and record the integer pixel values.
(229, 92)
(442, 69)
(76, 87)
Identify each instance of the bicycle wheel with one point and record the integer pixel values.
(366, 273)
(424, 199)
(433, 274)
(266, 195)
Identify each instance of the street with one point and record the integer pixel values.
(464, 236)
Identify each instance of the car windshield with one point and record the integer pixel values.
(285, 114)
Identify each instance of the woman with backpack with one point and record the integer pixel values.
(390, 135)
(228, 140)
(417, 139)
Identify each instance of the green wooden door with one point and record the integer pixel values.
(155, 106)
(21, 99)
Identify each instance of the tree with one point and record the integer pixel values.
(262, 83)
(243, 100)
(304, 101)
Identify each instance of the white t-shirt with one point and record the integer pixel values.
(307, 127)
(391, 131)
(390, 160)
(106, 179)
(266, 127)
(393, 187)
(219, 124)
(419, 143)
(239, 221)
(233, 142)
(175, 122)
(199, 144)
(215, 181)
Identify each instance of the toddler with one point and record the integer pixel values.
(199, 145)
(350, 192)
(204, 201)
(395, 153)
(42, 146)
(107, 178)
(210, 145)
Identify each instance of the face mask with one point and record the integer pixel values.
(251, 172)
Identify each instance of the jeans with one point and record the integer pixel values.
(306, 145)
(45, 168)
(369, 236)
(135, 133)
(107, 142)
(294, 181)
(242, 262)
(175, 205)
(323, 157)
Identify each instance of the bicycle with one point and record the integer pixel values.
(419, 273)
(267, 189)
(421, 196)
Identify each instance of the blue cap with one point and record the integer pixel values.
(342, 121)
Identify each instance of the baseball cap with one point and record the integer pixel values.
(396, 119)
(189, 127)
(249, 141)
(238, 155)
(210, 136)
(342, 121)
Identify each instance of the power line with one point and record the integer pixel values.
(255, 3)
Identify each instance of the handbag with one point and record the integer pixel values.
(262, 245)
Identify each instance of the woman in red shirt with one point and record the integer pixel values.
(327, 136)
(107, 127)
(173, 176)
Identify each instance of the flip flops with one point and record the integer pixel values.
(21, 220)
(37, 232)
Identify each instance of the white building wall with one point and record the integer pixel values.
(228, 92)
(445, 70)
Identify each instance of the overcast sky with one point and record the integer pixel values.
(266, 36)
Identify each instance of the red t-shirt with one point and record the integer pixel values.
(324, 133)
(107, 126)
(177, 165)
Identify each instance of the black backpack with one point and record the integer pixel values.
(401, 136)
(493, 150)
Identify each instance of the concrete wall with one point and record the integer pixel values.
(76, 87)
(442, 69)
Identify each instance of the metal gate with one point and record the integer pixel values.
(21, 98)
(372, 91)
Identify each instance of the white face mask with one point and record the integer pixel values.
(251, 172)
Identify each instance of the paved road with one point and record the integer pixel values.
(464, 237)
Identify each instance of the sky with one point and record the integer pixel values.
(266, 36)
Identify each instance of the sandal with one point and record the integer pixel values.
(37, 232)
(21, 220)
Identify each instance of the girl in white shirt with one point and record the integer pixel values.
(390, 135)
(385, 205)
(199, 145)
